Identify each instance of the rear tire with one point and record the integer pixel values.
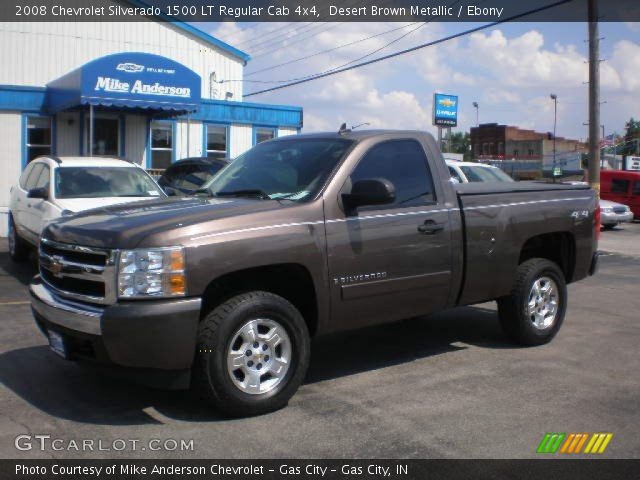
(252, 354)
(18, 248)
(534, 311)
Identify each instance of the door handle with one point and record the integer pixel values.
(429, 227)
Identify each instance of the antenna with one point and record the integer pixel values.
(359, 125)
(343, 129)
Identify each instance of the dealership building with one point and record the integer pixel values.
(151, 92)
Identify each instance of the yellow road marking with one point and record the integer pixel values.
(590, 444)
(14, 303)
(605, 443)
(584, 439)
(596, 445)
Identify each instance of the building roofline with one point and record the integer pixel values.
(196, 32)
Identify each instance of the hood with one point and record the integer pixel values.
(80, 204)
(126, 225)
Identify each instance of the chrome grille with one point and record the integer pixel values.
(80, 273)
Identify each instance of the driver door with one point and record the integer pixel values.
(384, 264)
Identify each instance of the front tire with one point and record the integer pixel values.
(18, 248)
(534, 311)
(252, 354)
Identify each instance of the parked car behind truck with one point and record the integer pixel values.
(622, 187)
(304, 236)
(52, 186)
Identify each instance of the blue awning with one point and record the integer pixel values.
(140, 81)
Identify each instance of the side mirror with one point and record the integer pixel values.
(42, 192)
(171, 192)
(371, 191)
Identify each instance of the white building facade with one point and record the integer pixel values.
(151, 92)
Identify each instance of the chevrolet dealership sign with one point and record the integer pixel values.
(445, 110)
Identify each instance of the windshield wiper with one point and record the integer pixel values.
(244, 193)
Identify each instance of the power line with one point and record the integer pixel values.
(329, 50)
(264, 43)
(422, 24)
(336, 48)
(412, 49)
(331, 69)
(267, 47)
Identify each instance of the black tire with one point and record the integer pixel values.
(18, 248)
(512, 309)
(212, 380)
(608, 227)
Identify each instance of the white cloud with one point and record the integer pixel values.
(626, 62)
(511, 76)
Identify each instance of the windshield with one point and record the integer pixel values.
(485, 174)
(94, 182)
(293, 169)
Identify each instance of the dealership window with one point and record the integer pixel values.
(161, 145)
(636, 188)
(38, 137)
(216, 141)
(106, 136)
(264, 134)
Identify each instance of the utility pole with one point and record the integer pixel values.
(594, 97)
(477, 107)
(554, 97)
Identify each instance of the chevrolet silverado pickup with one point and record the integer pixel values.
(302, 236)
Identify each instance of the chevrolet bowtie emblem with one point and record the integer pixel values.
(55, 267)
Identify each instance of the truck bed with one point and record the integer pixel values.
(498, 220)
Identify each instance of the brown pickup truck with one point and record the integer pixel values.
(298, 237)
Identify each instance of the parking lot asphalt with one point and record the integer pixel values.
(444, 386)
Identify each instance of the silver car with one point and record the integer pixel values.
(612, 213)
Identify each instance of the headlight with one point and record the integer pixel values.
(607, 210)
(153, 272)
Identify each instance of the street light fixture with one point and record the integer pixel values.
(554, 97)
(477, 107)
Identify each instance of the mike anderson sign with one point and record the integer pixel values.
(128, 80)
(107, 84)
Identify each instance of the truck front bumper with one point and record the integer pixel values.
(148, 336)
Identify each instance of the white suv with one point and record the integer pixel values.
(51, 187)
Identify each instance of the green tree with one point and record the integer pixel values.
(460, 142)
(631, 137)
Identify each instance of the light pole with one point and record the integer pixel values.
(554, 97)
(477, 107)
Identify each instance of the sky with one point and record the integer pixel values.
(510, 70)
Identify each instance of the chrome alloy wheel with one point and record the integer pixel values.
(542, 308)
(259, 356)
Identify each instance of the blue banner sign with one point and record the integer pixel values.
(445, 110)
(130, 80)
